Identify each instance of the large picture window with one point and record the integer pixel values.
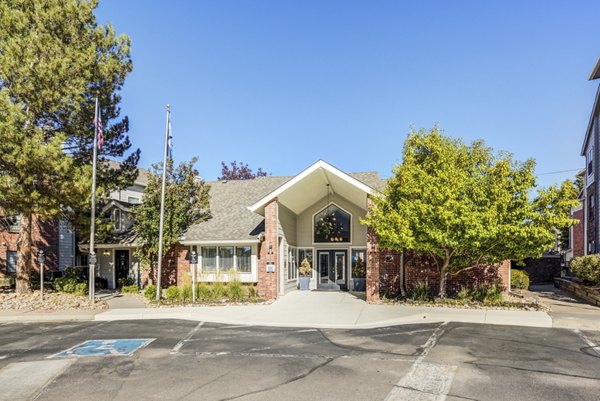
(332, 224)
(243, 256)
(209, 258)
(230, 257)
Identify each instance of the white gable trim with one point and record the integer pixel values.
(319, 164)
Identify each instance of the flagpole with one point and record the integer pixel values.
(162, 207)
(92, 254)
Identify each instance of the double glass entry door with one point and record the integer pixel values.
(332, 269)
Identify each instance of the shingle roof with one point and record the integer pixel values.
(229, 201)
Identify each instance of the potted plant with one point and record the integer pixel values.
(305, 271)
(358, 275)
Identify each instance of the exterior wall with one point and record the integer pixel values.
(577, 241)
(420, 268)
(135, 191)
(44, 236)
(591, 221)
(305, 223)
(66, 245)
(287, 224)
(268, 282)
(542, 270)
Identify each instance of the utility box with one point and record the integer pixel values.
(270, 267)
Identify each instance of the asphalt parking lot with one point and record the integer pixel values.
(186, 360)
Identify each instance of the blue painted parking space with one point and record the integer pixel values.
(114, 347)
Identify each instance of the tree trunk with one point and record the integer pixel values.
(444, 277)
(24, 243)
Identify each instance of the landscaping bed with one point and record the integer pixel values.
(52, 301)
(590, 293)
(508, 302)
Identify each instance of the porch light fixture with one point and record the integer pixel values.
(106, 252)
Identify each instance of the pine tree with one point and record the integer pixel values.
(55, 60)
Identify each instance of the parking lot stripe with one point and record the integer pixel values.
(425, 381)
(178, 346)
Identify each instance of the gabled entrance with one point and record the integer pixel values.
(332, 269)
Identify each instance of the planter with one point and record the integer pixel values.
(304, 283)
(359, 284)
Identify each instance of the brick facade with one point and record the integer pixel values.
(268, 250)
(175, 264)
(44, 236)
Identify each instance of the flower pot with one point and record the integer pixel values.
(304, 283)
(359, 284)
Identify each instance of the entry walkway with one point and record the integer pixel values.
(323, 309)
(566, 310)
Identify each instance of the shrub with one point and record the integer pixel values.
(305, 269)
(80, 289)
(252, 293)
(125, 281)
(130, 289)
(235, 291)
(488, 292)
(420, 292)
(218, 291)
(204, 292)
(172, 293)
(185, 294)
(464, 294)
(587, 268)
(519, 279)
(150, 292)
(66, 284)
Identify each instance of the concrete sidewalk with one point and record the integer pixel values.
(330, 310)
(566, 310)
(48, 316)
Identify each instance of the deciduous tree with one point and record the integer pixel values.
(239, 171)
(467, 206)
(186, 203)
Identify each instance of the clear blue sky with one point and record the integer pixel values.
(280, 84)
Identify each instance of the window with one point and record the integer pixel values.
(591, 207)
(243, 255)
(11, 261)
(305, 253)
(13, 223)
(116, 218)
(332, 224)
(359, 263)
(590, 161)
(230, 257)
(591, 247)
(209, 258)
(225, 258)
(292, 263)
(132, 199)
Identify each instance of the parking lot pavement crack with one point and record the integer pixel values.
(299, 377)
(593, 348)
(200, 387)
(361, 349)
(548, 372)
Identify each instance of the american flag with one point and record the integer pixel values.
(99, 130)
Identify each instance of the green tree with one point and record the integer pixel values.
(466, 206)
(55, 59)
(186, 203)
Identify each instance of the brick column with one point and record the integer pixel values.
(373, 267)
(267, 282)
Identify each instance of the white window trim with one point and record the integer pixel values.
(218, 275)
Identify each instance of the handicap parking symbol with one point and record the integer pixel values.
(116, 347)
